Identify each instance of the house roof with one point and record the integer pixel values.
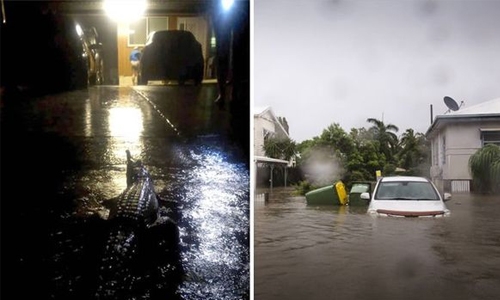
(487, 107)
(154, 6)
(266, 159)
(261, 111)
(482, 111)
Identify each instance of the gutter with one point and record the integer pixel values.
(460, 117)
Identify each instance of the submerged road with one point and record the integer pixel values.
(64, 164)
(340, 252)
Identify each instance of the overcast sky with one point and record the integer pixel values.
(318, 62)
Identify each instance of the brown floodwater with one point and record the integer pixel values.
(340, 252)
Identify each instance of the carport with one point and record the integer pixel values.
(272, 162)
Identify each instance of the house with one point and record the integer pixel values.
(120, 36)
(266, 124)
(455, 136)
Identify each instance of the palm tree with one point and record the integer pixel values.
(484, 166)
(386, 136)
(411, 151)
(271, 147)
(280, 148)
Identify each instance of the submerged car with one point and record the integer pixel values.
(172, 55)
(406, 196)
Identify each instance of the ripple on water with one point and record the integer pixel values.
(303, 251)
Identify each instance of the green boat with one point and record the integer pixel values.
(334, 194)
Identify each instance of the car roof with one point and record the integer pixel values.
(170, 34)
(404, 178)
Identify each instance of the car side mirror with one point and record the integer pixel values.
(365, 196)
(447, 196)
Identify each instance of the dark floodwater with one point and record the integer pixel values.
(338, 252)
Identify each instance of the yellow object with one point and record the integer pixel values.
(340, 187)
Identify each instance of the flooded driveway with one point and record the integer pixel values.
(64, 165)
(339, 252)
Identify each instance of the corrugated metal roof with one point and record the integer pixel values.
(487, 107)
(270, 160)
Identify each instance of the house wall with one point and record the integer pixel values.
(450, 168)
(462, 140)
(261, 124)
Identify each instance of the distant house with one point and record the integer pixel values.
(455, 137)
(266, 124)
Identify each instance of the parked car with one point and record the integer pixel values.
(406, 196)
(172, 55)
(92, 53)
(41, 59)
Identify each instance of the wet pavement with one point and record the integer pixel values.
(64, 165)
(340, 252)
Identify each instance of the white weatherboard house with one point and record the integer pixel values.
(266, 124)
(455, 137)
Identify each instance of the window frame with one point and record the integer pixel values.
(490, 131)
(148, 29)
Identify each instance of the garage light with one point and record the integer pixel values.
(125, 10)
(226, 4)
(79, 30)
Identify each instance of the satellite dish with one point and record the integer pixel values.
(451, 104)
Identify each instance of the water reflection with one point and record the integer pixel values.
(111, 123)
(307, 252)
(125, 123)
(215, 228)
(77, 169)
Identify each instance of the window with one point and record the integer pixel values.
(140, 29)
(435, 150)
(266, 133)
(443, 151)
(490, 136)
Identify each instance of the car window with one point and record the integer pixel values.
(149, 39)
(360, 188)
(406, 190)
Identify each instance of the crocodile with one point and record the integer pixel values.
(140, 251)
(138, 204)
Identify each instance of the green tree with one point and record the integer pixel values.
(484, 166)
(335, 136)
(411, 147)
(386, 136)
(284, 123)
(280, 148)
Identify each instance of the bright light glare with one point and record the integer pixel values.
(125, 10)
(79, 30)
(125, 123)
(226, 4)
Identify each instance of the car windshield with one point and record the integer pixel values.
(406, 190)
(360, 188)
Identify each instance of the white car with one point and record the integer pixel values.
(406, 196)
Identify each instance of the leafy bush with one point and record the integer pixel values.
(303, 187)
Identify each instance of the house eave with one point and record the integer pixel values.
(265, 159)
(442, 120)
